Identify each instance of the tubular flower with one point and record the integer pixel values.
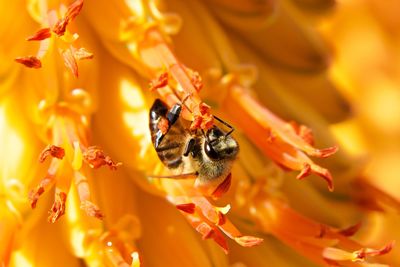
(56, 33)
(279, 109)
(68, 133)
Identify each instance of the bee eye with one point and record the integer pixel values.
(211, 153)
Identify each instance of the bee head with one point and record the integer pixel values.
(220, 146)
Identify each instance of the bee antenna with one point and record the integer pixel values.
(226, 124)
(204, 134)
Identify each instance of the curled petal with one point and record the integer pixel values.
(339, 255)
(96, 158)
(40, 35)
(350, 231)
(30, 62)
(53, 151)
(58, 208)
(248, 241)
(70, 61)
(82, 53)
(369, 252)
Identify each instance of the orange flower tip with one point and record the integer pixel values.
(30, 62)
(34, 196)
(160, 82)
(60, 27)
(350, 231)
(369, 252)
(306, 171)
(163, 125)
(96, 158)
(73, 10)
(187, 207)
(325, 174)
(222, 187)
(204, 119)
(327, 152)
(40, 35)
(328, 178)
(58, 208)
(92, 210)
(336, 255)
(196, 81)
(52, 150)
(248, 241)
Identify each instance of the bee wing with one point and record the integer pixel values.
(167, 133)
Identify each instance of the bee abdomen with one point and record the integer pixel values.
(167, 141)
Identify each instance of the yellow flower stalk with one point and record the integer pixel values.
(82, 76)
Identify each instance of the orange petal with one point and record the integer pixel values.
(30, 62)
(187, 207)
(371, 197)
(265, 119)
(40, 35)
(222, 187)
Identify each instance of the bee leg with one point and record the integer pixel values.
(192, 175)
(189, 147)
(226, 124)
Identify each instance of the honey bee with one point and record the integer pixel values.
(206, 156)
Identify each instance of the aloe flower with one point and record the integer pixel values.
(81, 183)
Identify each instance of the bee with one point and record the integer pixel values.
(205, 156)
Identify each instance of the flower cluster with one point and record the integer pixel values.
(129, 213)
